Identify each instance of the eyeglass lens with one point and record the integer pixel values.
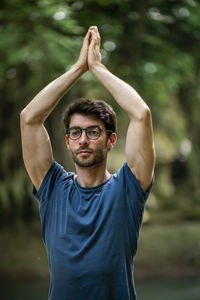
(92, 132)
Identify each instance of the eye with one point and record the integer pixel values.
(93, 132)
(74, 133)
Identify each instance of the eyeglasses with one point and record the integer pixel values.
(92, 132)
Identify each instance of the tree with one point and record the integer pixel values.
(153, 45)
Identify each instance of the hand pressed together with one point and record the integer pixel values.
(94, 55)
(90, 55)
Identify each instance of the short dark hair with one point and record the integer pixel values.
(87, 107)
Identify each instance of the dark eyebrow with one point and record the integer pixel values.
(74, 127)
(78, 127)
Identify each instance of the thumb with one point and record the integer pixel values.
(92, 43)
(86, 39)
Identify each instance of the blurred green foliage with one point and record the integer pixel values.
(153, 45)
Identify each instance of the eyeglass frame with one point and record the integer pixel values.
(85, 129)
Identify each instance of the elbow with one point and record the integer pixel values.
(25, 117)
(144, 114)
(29, 118)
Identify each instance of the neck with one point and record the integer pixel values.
(92, 176)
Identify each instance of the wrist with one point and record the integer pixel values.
(79, 68)
(95, 67)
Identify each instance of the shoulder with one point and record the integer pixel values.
(58, 173)
(55, 176)
(127, 178)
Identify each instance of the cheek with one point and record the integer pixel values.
(70, 144)
(104, 146)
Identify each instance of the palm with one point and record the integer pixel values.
(83, 57)
(94, 55)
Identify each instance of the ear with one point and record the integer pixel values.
(67, 142)
(112, 141)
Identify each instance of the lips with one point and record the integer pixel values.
(84, 152)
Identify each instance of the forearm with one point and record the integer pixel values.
(122, 92)
(43, 103)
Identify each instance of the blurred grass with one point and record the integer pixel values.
(23, 253)
(169, 250)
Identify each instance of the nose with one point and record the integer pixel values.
(83, 140)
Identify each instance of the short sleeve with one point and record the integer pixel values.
(50, 188)
(51, 177)
(132, 181)
(135, 197)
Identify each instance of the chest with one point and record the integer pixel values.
(79, 218)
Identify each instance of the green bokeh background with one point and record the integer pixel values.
(154, 46)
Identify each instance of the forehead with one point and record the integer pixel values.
(84, 121)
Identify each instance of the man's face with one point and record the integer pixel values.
(87, 152)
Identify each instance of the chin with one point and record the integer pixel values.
(87, 163)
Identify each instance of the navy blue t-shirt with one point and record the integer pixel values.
(91, 234)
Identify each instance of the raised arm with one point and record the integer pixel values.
(36, 145)
(139, 149)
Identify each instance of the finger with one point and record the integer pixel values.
(87, 38)
(89, 30)
(93, 38)
(92, 28)
(87, 34)
(98, 35)
(95, 43)
(97, 31)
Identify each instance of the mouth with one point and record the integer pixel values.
(84, 152)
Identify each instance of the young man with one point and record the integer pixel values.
(90, 221)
